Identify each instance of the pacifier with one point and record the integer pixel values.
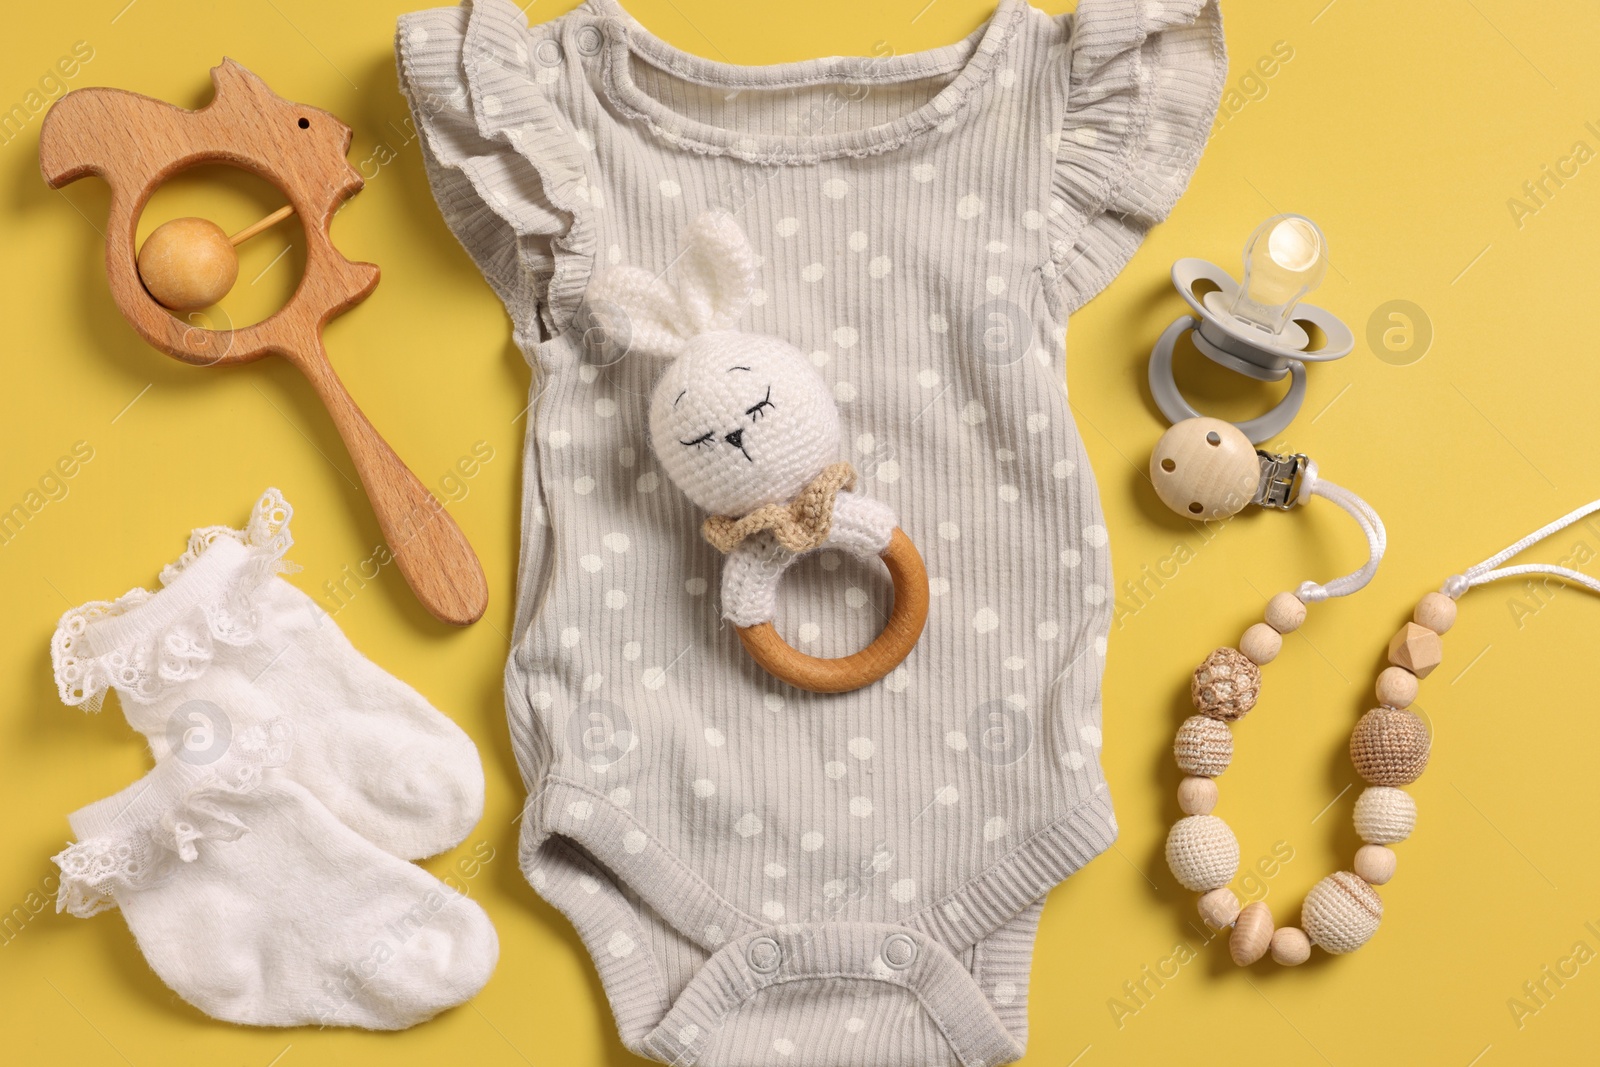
(1257, 327)
(1207, 469)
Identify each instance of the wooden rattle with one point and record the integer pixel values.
(135, 143)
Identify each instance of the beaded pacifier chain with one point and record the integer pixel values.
(1389, 748)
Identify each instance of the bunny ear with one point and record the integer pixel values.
(638, 310)
(716, 274)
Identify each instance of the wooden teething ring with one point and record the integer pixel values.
(906, 620)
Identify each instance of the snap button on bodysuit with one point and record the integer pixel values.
(763, 955)
(899, 951)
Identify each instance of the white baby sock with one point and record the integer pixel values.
(226, 644)
(257, 906)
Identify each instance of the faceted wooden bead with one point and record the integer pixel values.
(1203, 747)
(1202, 852)
(1285, 612)
(1375, 864)
(1341, 913)
(1417, 649)
(1219, 908)
(1290, 946)
(1385, 815)
(1435, 611)
(1225, 685)
(1397, 687)
(1261, 644)
(1197, 796)
(1252, 933)
(1390, 747)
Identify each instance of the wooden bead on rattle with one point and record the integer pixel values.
(1205, 469)
(190, 263)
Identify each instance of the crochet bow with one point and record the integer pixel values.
(800, 525)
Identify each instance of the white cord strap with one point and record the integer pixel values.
(1371, 525)
(1490, 570)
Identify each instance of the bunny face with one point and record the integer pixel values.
(741, 420)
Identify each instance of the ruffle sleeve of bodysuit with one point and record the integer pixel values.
(1143, 80)
(505, 168)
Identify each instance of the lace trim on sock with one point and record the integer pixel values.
(267, 530)
(94, 871)
(181, 648)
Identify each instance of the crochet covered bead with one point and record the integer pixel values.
(1390, 747)
(1202, 852)
(1203, 747)
(1385, 815)
(1225, 685)
(1341, 913)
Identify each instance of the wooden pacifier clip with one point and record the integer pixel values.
(1389, 747)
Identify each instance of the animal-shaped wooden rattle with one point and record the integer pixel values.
(747, 428)
(135, 143)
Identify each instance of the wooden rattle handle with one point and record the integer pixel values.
(432, 552)
(886, 652)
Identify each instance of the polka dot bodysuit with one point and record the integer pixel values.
(764, 875)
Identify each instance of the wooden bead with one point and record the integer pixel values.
(1417, 649)
(1225, 685)
(1205, 469)
(1197, 796)
(1375, 864)
(1203, 747)
(1435, 611)
(1252, 933)
(1390, 746)
(1397, 687)
(1290, 946)
(1341, 913)
(1219, 908)
(1202, 852)
(188, 264)
(1261, 644)
(1385, 815)
(1285, 612)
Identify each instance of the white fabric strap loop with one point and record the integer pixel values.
(1490, 570)
(1371, 525)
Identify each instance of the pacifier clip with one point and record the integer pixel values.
(1389, 748)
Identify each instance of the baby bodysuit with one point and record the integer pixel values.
(764, 875)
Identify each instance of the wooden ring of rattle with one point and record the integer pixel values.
(886, 652)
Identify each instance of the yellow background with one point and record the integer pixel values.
(1403, 129)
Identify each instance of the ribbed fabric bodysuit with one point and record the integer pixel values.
(764, 875)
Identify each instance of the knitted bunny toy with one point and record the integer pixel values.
(747, 428)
